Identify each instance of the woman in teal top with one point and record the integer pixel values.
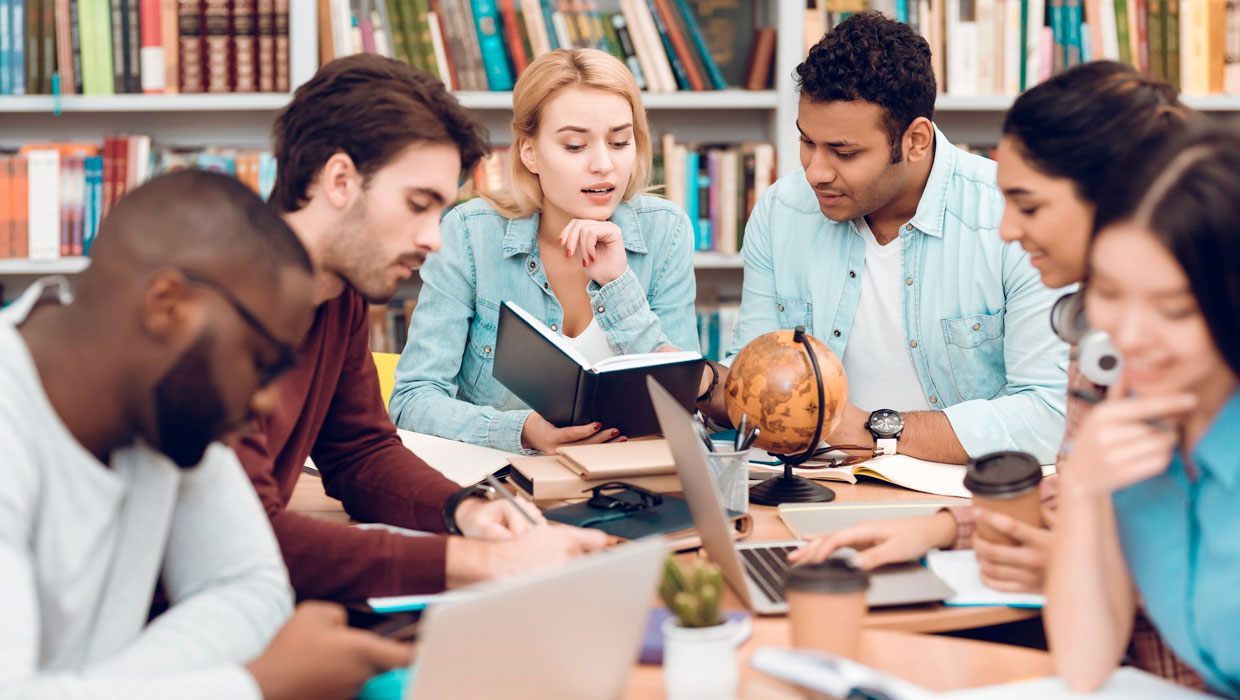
(1150, 509)
(574, 242)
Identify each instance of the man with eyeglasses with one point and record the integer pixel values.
(112, 398)
(369, 154)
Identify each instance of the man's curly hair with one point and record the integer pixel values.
(870, 57)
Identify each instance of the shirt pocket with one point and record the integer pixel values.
(477, 367)
(792, 313)
(975, 353)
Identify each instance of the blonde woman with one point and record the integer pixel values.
(574, 241)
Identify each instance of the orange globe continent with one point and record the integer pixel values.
(772, 382)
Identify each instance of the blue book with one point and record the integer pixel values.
(491, 45)
(17, 59)
(548, 8)
(708, 61)
(691, 193)
(93, 201)
(6, 49)
(1074, 47)
(902, 11)
(682, 78)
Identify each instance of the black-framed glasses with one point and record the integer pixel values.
(286, 355)
(619, 496)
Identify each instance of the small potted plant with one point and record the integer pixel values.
(699, 643)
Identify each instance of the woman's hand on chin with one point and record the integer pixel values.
(600, 245)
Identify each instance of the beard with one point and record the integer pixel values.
(363, 264)
(190, 412)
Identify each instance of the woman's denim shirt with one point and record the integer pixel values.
(444, 383)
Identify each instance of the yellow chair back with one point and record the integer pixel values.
(385, 362)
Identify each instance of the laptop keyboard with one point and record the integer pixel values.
(767, 566)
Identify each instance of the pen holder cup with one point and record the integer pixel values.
(730, 472)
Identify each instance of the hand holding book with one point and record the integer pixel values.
(538, 434)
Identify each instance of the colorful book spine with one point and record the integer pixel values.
(93, 201)
(245, 45)
(715, 75)
(17, 65)
(283, 75)
(6, 48)
(678, 68)
(491, 45)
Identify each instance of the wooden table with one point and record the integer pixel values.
(933, 662)
(309, 498)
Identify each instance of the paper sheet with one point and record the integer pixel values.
(461, 462)
(1125, 684)
(959, 569)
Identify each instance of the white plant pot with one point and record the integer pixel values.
(699, 663)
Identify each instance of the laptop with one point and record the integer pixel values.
(756, 571)
(570, 632)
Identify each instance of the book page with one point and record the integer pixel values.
(959, 569)
(645, 359)
(459, 461)
(554, 338)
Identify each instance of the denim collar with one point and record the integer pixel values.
(933, 205)
(1217, 452)
(521, 235)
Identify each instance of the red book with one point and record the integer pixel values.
(512, 34)
(19, 243)
(151, 58)
(245, 45)
(64, 50)
(217, 21)
(6, 205)
(680, 45)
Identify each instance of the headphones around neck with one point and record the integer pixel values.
(1097, 357)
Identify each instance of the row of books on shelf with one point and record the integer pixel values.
(716, 185)
(715, 324)
(54, 196)
(668, 45)
(105, 47)
(1003, 47)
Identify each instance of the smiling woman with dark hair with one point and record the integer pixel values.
(1148, 507)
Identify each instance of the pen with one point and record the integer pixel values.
(495, 484)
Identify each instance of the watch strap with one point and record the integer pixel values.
(449, 506)
(886, 446)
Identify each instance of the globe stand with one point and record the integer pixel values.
(788, 487)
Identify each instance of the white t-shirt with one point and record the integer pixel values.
(876, 358)
(83, 544)
(592, 343)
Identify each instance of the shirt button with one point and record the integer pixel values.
(908, 228)
(600, 309)
(934, 400)
(555, 327)
(852, 274)
(533, 264)
(835, 333)
(486, 350)
(908, 281)
(913, 344)
(780, 307)
(977, 326)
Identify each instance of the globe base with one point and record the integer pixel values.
(789, 488)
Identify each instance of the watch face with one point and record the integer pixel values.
(886, 423)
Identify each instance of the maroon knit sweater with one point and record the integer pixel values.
(330, 409)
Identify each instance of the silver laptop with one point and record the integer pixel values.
(756, 571)
(571, 632)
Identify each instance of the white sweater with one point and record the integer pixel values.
(81, 548)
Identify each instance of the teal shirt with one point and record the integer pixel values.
(444, 381)
(976, 314)
(1181, 538)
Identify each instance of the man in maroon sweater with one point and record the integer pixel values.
(369, 154)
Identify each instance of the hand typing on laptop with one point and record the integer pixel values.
(882, 541)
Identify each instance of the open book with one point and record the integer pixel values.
(917, 474)
(555, 379)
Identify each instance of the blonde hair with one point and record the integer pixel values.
(547, 75)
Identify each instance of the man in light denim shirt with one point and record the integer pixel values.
(886, 247)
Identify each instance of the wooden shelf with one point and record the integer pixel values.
(709, 260)
(707, 99)
(22, 266)
(35, 104)
(1001, 103)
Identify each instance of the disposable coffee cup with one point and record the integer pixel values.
(1007, 483)
(826, 604)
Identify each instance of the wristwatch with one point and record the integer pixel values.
(886, 426)
(449, 506)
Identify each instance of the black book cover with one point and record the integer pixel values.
(566, 393)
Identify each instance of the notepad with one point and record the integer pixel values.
(937, 478)
(960, 570)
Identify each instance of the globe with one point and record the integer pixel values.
(772, 382)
